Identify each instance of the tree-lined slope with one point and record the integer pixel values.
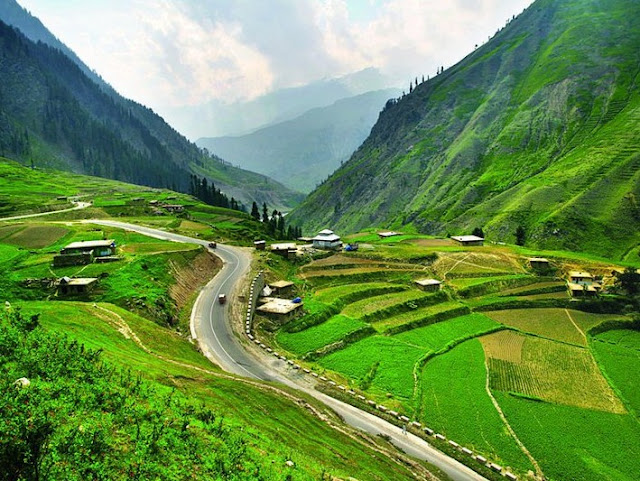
(539, 127)
(53, 114)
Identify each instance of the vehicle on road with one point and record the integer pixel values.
(222, 298)
(212, 245)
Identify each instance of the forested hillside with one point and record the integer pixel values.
(538, 129)
(52, 114)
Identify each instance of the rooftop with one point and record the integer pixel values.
(326, 237)
(91, 244)
(78, 281)
(388, 233)
(428, 282)
(281, 284)
(585, 275)
(284, 246)
(467, 238)
(325, 232)
(538, 259)
(279, 306)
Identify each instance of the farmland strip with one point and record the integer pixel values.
(513, 434)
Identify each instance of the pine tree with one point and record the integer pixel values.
(255, 213)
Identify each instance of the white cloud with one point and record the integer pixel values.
(174, 52)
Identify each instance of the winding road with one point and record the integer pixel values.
(211, 325)
(78, 205)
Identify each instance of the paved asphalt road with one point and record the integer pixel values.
(209, 323)
(78, 205)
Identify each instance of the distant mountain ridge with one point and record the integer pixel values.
(52, 113)
(539, 128)
(218, 118)
(302, 152)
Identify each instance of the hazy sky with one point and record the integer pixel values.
(188, 52)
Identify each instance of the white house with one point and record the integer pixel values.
(326, 239)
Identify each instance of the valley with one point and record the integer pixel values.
(342, 280)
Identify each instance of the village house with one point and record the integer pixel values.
(326, 239)
(387, 234)
(260, 245)
(468, 240)
(429, 285)
(582, 278)
(280, 309)
(84, 252)
(285, 249)
(99, 248)
(281, 288)
(173, 207)
(582, 290)
(539, 263)
(68, 286)
(582, 284)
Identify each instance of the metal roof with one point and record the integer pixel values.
(91, 244)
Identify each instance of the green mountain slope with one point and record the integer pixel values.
(538, 128)
(52, 114)
(302, 152)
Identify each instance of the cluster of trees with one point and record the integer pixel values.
(275, 223)
(67, 415)
(207, 192)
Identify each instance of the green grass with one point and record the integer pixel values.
(576, 444)
(318, 336)
(392, 361)
(275, 428)
(618, 353)
(370, 305)
(441, 334)
(331, 294)
(453, 401)
(415, 315)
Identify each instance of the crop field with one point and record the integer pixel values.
(384, 363)
(454, 402)
(338, 260)
(576, 444)
(438, 336)
(36, 236)
(461, 264)
(372, 304)
(415, 315)
(618, 353)
(558, 324)
(464, 282)
(330, 294)
(318, 336)
(548, 370)
(523, 290)
(339, 273)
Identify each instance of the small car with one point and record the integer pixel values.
(222, 298)
(212, 245)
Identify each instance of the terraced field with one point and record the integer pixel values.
(319, 336)
(558, 324)
(549, 371)
(436, 358)
(459, 406)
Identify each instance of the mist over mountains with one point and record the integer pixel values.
(218, 119)
(303, 151)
